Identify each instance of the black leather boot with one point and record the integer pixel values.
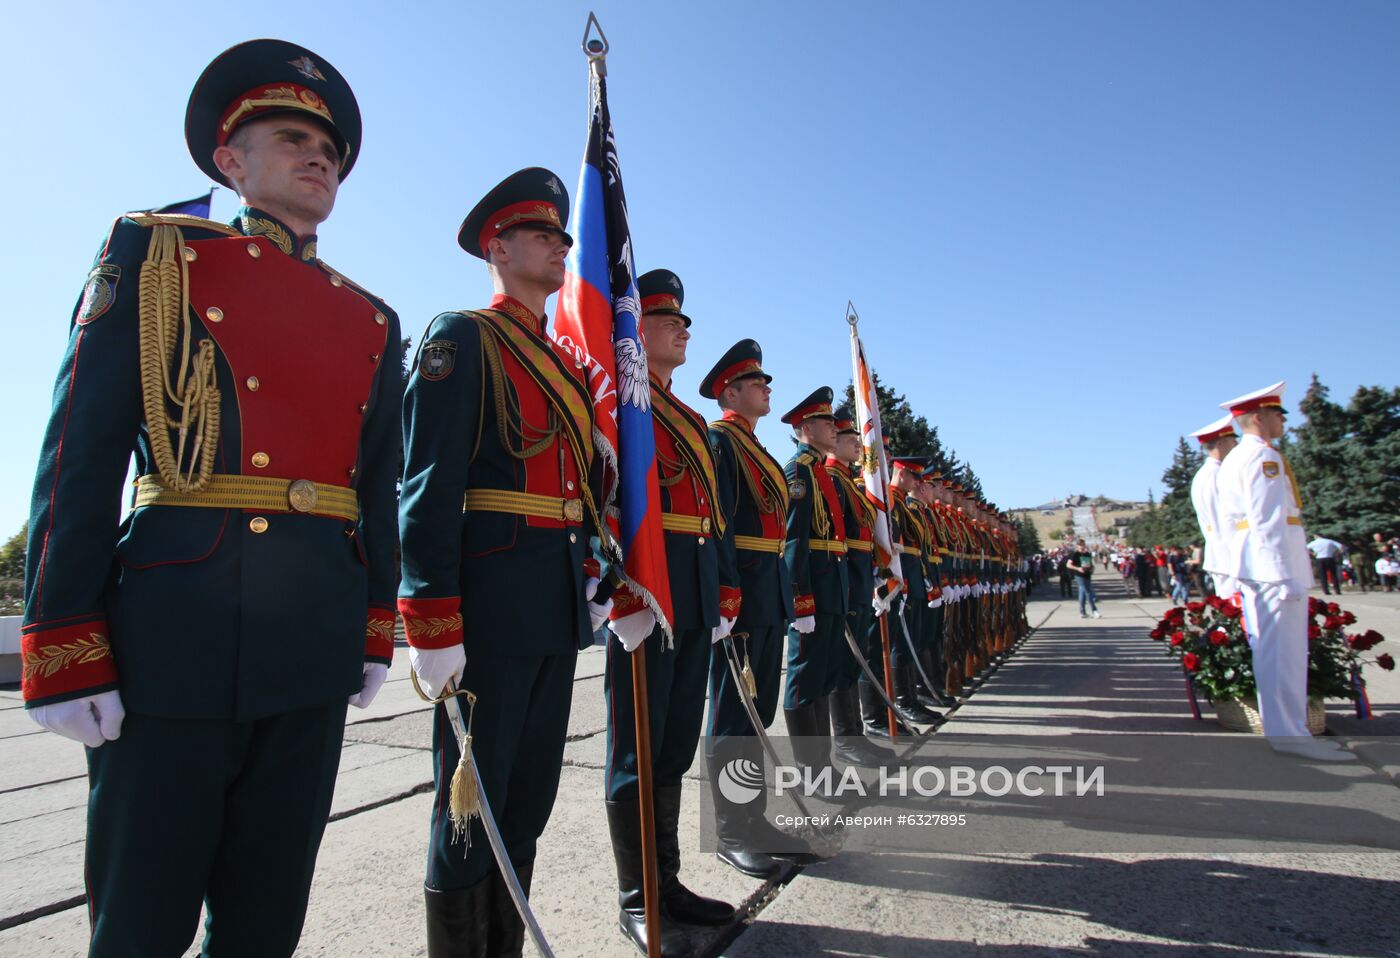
(625, 829)
(507, 933)
(933, 697)
(848, 744)
(681, 903)
(733, 838)
(904, 697)
(804, 731)
(458, 920)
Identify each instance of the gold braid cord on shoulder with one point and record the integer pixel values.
(189, 387)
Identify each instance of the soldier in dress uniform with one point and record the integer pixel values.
(755, 589)
(935, 549)
(849, 743)
(205, 648)
(906, 531)
(676, 675)
(816, 562)
(1216, 441)
(495, 519)
(1260, 507)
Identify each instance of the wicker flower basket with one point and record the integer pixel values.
(1242, 715)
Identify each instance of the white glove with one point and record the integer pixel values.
(936, 601)
(434, 667)
(372, 680)
(882, 605)
(806, 624)
(632, 630)
(948, 595)
(726, 625)
(92, 719)
(597, 614)
(966, 590)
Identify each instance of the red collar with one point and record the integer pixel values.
(515, 310)
(732, 416)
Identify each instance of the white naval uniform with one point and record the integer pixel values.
(1205, 499)
(1266, 550)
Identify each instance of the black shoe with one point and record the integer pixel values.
(506, 936)
(625, 830)
(458, 920)
(681, 903)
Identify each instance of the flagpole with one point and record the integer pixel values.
(596, 49)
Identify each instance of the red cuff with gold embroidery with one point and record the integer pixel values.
(66, 660)
(432, 623)
(804, 605)
(625, 602)
(730, 599)
(379, 635)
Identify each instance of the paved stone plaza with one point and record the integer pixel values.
(1072, 677)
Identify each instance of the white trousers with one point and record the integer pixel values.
(1278, 639)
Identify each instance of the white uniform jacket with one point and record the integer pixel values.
(1205, 500)
(1259, 512)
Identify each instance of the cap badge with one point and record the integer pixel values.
(554, 186)
(307, 68)
(675, 283)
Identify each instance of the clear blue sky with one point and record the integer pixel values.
(1070, 228)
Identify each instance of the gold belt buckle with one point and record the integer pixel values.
(705, 525)
(302, 495)
(573, 510)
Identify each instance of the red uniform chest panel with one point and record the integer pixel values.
(774, 524)
(553, 471)
(833, 504)
(304, 353)
(686, 496)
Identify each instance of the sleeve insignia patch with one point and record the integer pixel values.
(99, 293)
(438, 359)
(1270, 470)
(797, 489)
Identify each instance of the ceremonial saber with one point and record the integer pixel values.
(870, 674)
(452, 705)
(732, 657)
(913, 652)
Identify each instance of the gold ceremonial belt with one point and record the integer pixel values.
(916, 553)
(676, 522)
(759, 544)
(860, 545)
(523, 504)
(261, 493)
(1292, 521)
(827, 545)
(944, 552)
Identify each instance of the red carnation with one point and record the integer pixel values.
(1230, 611)
(1214, 601)
(1348, 618)
(1219, 637)
(1314, 633)
(1332, 622)
(1315, 606)
(1333, 608)
(1195, 606)
(1189, 661)
(1157, 634)
(1385, 661)
(1178, 638)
